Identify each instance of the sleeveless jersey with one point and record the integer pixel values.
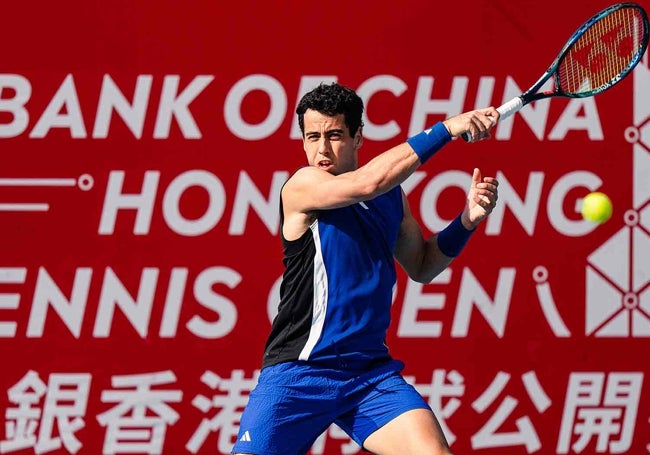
(336, 291)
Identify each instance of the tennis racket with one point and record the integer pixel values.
(598, 55)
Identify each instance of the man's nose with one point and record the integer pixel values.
(324, 147)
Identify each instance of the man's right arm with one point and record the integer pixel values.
(311, 189)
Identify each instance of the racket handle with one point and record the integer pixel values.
(509, 108)
(505, 111)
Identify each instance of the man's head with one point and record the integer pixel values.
(330, 118)
(332, 99)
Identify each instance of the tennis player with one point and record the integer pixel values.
(342, 228)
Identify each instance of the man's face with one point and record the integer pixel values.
(328, 144)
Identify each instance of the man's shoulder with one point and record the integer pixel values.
(301, 179)
(305, 172)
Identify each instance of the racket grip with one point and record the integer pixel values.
(505, 111)
(509, 108)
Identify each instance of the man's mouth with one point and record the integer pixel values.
(324, 164)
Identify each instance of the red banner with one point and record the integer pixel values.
(144, 145)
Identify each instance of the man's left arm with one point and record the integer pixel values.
(421, 259)
(424, 259)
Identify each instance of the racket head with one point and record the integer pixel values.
(602, 52)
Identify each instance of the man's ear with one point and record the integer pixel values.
(358, 140)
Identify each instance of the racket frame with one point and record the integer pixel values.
(533, 93)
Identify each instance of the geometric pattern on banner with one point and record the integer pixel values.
(618, 272)
(617, 282)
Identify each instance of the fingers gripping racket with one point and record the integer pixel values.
(598, 55)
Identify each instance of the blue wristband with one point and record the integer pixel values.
(453, 238)
(428, 142)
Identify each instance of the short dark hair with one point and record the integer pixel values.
(333, 99)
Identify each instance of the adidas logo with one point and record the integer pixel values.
(246, 437)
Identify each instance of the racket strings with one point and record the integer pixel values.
(603, 54)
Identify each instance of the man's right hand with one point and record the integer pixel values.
(476, 124)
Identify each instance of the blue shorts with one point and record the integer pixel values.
(295, 402)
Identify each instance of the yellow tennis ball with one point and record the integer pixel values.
(596, 207)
